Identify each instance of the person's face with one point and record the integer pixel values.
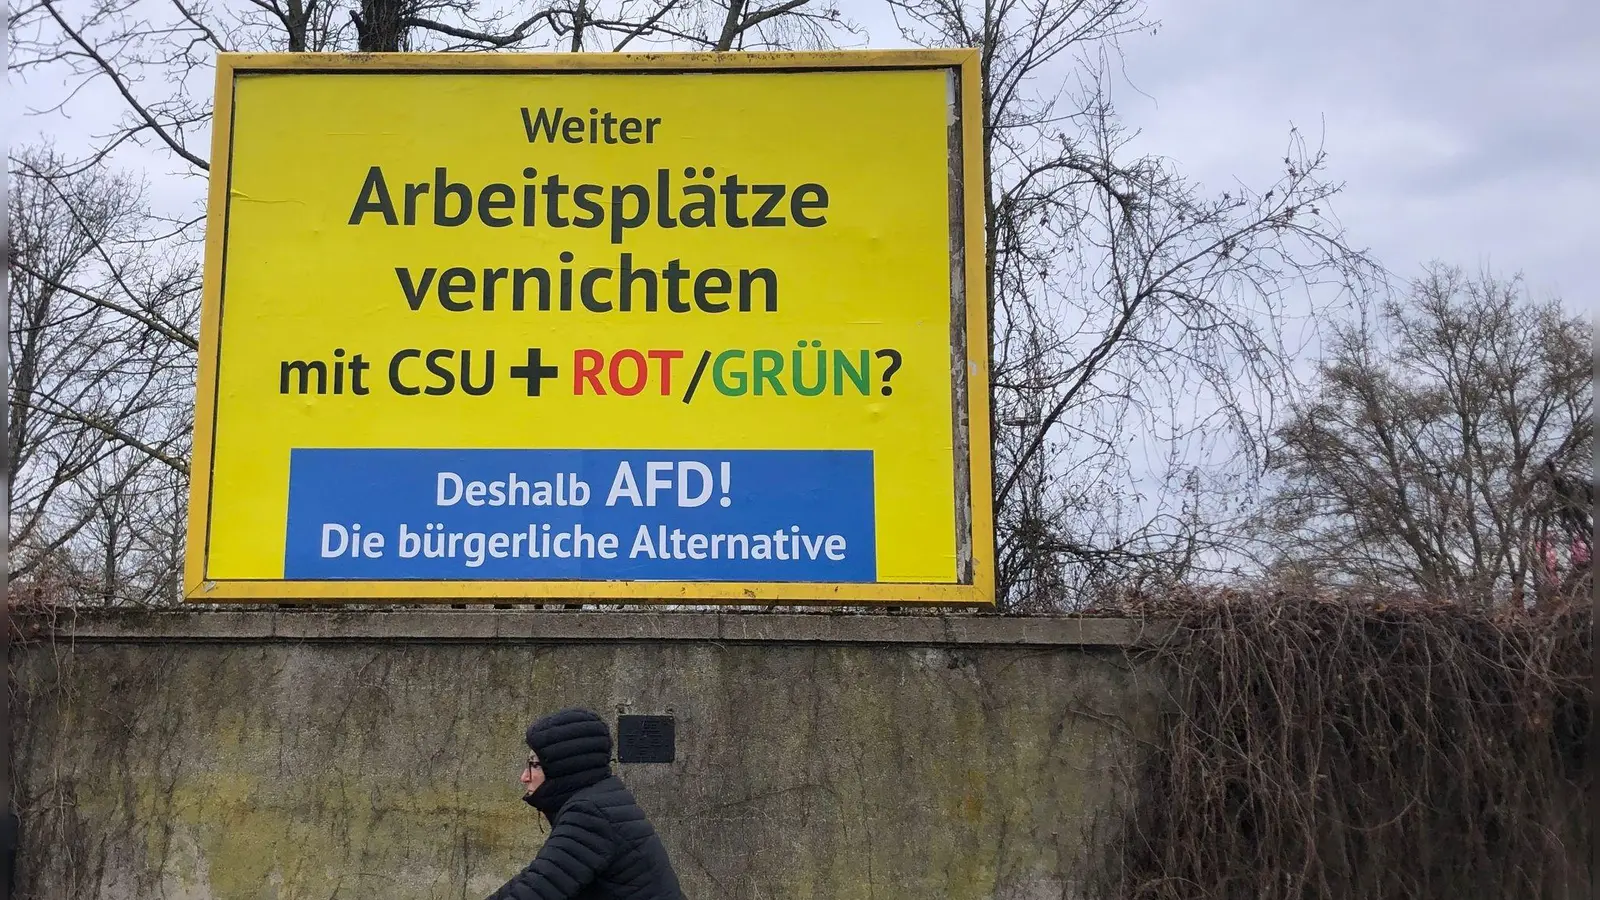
(532, 774)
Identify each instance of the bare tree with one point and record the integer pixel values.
(102, 356)
(1139, 325)
(1432, 448)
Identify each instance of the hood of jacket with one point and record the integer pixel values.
(574, 747)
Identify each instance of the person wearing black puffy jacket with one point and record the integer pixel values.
(601, 846)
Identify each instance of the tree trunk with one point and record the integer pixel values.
(379, 27)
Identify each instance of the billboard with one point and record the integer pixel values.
(676, 328)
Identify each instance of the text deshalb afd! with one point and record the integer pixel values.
(686, 484)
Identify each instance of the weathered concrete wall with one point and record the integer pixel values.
(300, 754)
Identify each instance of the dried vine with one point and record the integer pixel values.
(1343, 747)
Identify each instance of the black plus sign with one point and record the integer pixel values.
(534, 372)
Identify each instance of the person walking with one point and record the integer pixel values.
(601, 845)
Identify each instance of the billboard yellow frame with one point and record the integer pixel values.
(969, 333)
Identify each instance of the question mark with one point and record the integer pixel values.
(893, 356)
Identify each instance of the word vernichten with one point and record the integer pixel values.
(619, 286)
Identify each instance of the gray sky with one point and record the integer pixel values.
(1467, 132)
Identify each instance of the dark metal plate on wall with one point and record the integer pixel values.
(646, 739)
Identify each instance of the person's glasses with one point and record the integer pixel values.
(533, 763)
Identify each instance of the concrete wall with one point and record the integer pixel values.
(302, 754)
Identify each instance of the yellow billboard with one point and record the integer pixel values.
(697, 327)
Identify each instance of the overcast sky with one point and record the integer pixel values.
(1467, 132)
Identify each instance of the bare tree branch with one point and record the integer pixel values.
(150, 322)
(122, 88)
(110, 430)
